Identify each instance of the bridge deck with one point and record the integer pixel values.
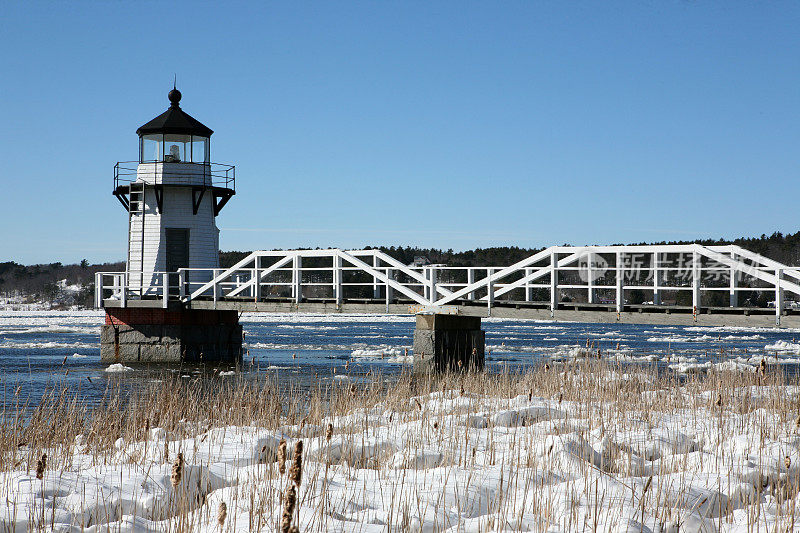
(571, 312)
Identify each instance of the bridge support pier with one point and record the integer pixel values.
(448, 342)
(152, 335)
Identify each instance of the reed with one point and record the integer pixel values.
(222, 514)
(296, 471)
(582, 444)
(282, 457)
(289, 502)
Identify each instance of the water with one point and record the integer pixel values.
(39, 349)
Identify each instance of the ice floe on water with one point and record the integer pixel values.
(739, 329)
(681, 338)
(783, 347)
(381, 351)
(741, 338)
(50, 329)
(117, 368)
(296, 346)
(45, 345)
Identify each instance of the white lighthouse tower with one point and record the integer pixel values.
(173, 194)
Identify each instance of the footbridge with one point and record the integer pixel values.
(660, 284)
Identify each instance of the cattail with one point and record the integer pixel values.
(763, 367)
(282, 456)
(798, 421)
(177, 471)
(329, 433)
(530, 395)
(41, 464)
(719, 400)
(787, 461)
(296, 472)
(166, 451)
(289, 502)
(560, 397)
(419, 405)
(222, 514)
(647, 485)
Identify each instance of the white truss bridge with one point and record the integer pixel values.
(649, 278)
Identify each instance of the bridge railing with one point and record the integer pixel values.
(601, 275)
(122, 287)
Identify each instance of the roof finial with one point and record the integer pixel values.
(174, 95)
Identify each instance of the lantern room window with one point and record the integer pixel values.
(151, 147)
(200, 149)
(173, 148)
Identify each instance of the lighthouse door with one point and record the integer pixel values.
(177, 248)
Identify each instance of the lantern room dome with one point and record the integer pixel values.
(175, 121)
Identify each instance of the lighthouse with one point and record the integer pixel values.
(172, 194)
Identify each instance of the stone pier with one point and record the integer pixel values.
(448, 343)
(147, 335)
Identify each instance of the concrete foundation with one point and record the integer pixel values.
(448, 343)
(141, 335)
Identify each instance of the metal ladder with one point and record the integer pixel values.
(136, 206)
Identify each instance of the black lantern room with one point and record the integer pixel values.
(174, 151)
(174, 136)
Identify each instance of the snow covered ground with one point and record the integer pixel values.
(591, 449)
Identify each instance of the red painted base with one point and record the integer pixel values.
(190, 317)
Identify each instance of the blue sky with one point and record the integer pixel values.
(453, 125)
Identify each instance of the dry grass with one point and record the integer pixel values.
(598, 397)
